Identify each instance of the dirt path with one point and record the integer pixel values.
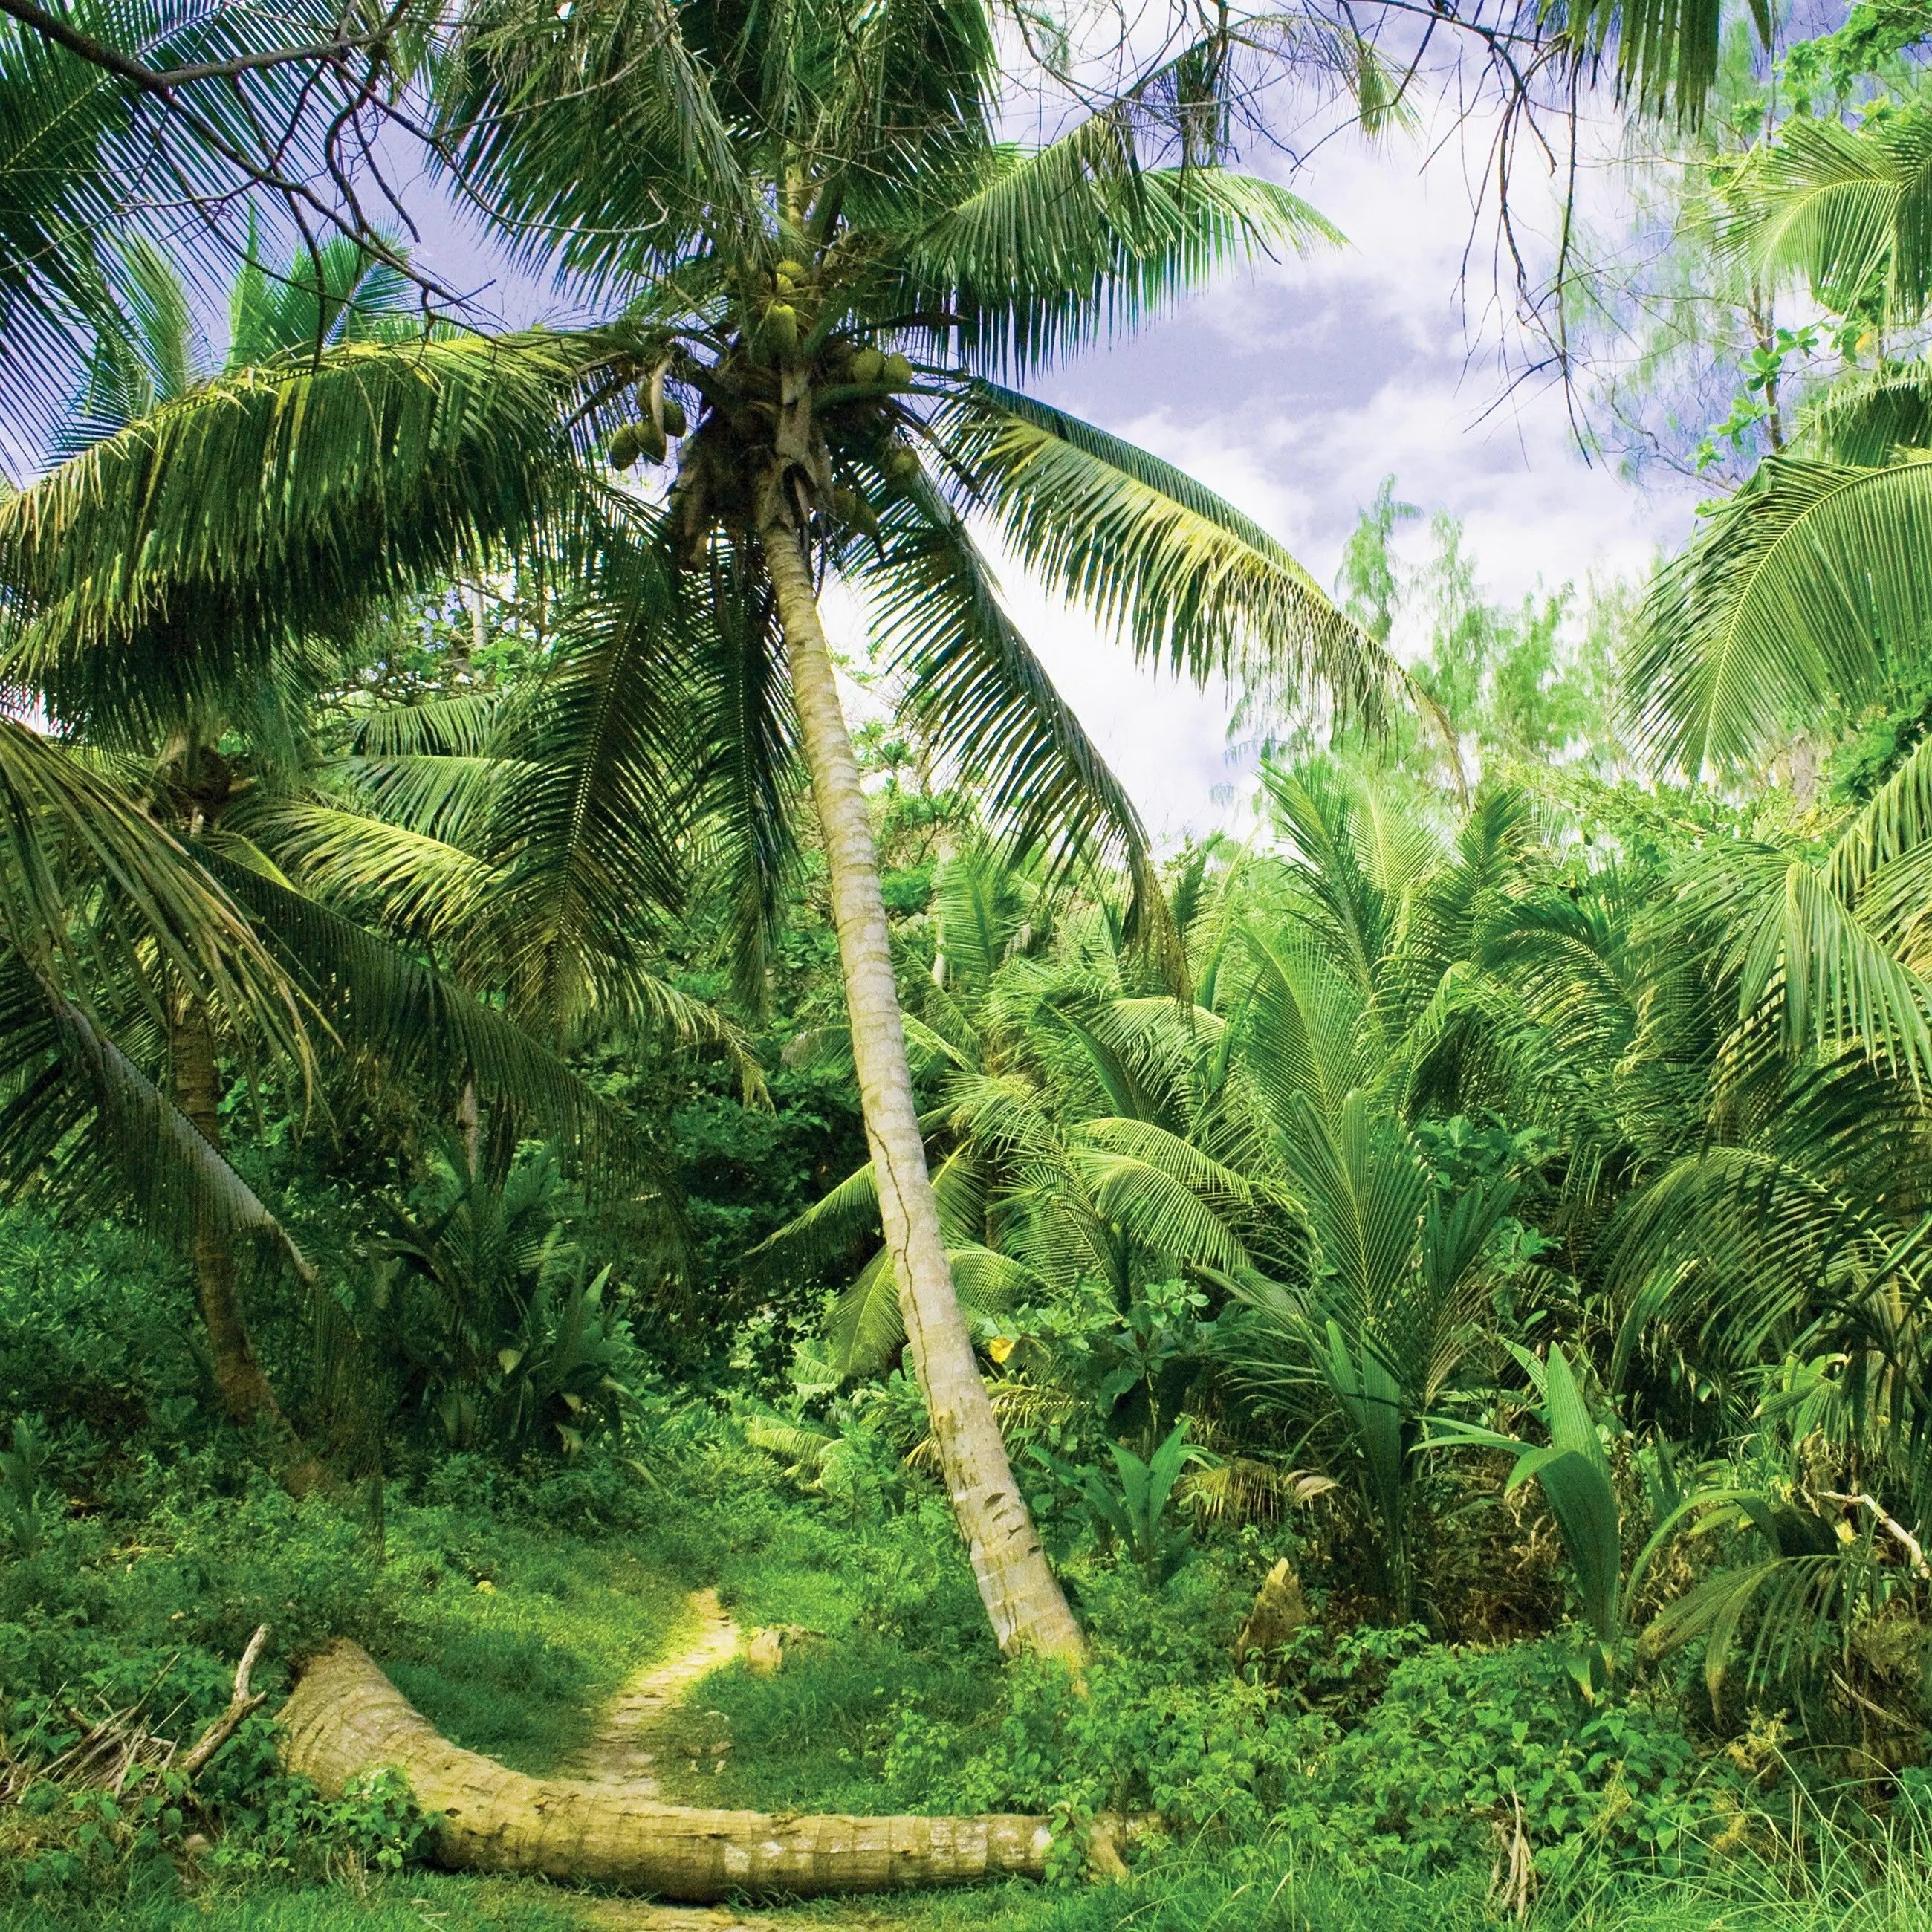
(622, 1752)
(624, 1914)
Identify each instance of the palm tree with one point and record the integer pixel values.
(154, 355)
(212, 761)
(1806, 592)
(820, 241)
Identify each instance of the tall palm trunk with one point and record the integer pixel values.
(1021, 1596)
(239, 1379)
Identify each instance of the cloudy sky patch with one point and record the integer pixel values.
(1294, 389)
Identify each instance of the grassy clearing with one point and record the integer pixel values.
(509, 1620)
(517, 1665)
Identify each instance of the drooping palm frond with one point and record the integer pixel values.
(1796, 1607)
(1867, 417)
(1797, 951)
(1667, 50)
(1184, 578)
(867, 1329)
(975, 690)
(829, 1230)
(1755, 1251)
(1172, 1199)
(1101, 1067)
(86, 158)
(803, 1447)
(1238, 1489)
(66, 833)
(1796, 596)
(453, 724)
(423, 1026)
(81, 1123)
(601, 138)
(1057, 247)
(161, 565)
(592, 820)
(403, 881)
(746, 780)
(436, 795)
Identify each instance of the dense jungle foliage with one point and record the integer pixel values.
(1387, 1350)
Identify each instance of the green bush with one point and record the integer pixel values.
(1466, 1744)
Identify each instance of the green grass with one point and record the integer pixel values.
(509, 1629)
(416, 1902)
(517, 1664)
(1271, 1889)
(799, 1740)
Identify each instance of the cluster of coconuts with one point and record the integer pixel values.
(867, 369)
(778, 332)
(649, 436)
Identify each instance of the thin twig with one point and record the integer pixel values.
(240, 1705)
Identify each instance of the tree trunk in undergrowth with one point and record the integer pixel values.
(239, 1377)
(346, 1717)
(1022, 1595)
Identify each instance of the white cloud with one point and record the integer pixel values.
(1293, 390)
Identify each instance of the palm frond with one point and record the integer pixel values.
(1182, 576)
(402, 881)
(1796, 595)
(1172, 1198)
(972, 686)
(81, 1122)
(593, 818)
(64, 830)
(1793, 947)
(162, 565)
(599, 136)
(422, 1024)
(1844, 207)
(1867, 417)
(1058, 246)
(1667, 50)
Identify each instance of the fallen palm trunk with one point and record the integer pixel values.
(345, 1717)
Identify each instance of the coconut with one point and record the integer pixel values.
(867, 364)
(781, 328)
(651, 444)
(674, 417)
(625, 447)
(897, 371)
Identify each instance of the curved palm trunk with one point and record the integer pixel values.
(1021, 1596)
(345, 1718)
(239, 1377)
